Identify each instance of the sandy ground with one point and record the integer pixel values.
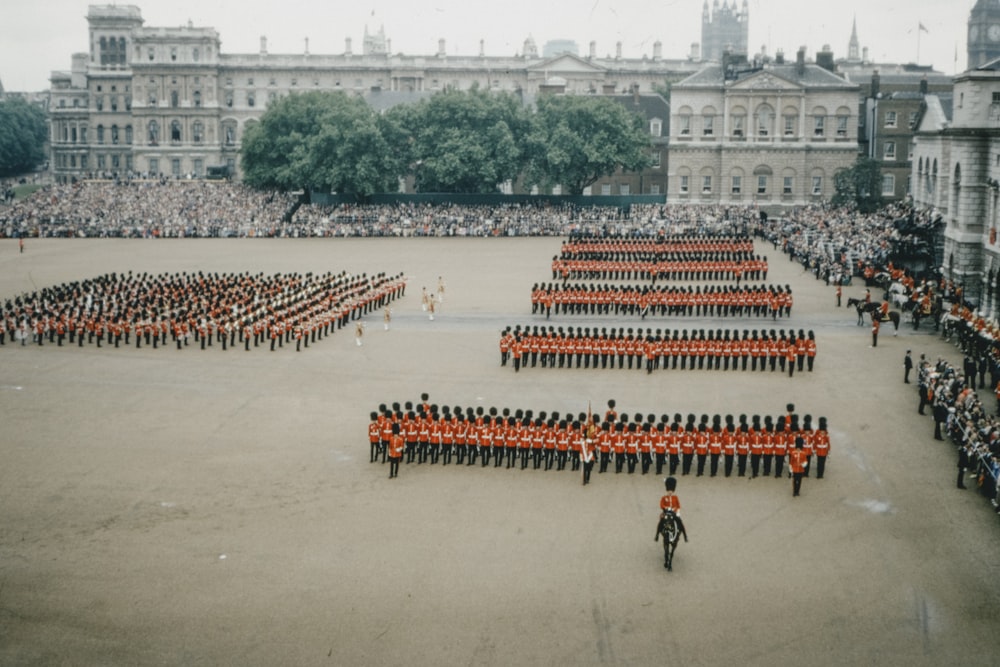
(166, 507)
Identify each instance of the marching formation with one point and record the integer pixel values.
(228, 309)
(753, 446)
(669, 258)
(583, 347)
(711, 301)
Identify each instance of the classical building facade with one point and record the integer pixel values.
(169, 101)
(772, 134)
(956, 175)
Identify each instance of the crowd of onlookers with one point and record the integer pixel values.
(959, 415)
(166, 208)
(836, 244)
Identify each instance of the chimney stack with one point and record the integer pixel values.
(923, 85)
(824, 58)
(441, 49)
(593, 50)
(347, 46)
(800, 61)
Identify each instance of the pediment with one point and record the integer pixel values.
(566, 63)
(764, 80)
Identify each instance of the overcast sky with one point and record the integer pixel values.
(38, 36)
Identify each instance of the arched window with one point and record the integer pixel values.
(175, 131)
(154, 132)
(197, 98)
(174, 99)
(114, 134)
(765, 120)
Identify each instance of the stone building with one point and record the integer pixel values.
(168, 101)
(983, 44)
(766, 133)
(724, 28)
(955, 169)
(956, 175)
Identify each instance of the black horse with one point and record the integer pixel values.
(671, 528)
(860, 306)
(892, 316)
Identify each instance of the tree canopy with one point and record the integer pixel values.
(319, 141)
(859, 186)
(23, 132)
(467, 141)
(578, 139)
(456, 141)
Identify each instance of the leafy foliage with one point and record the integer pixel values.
(23, 132)
(859, 186)
(318, 141)
(468, 141)
(464, 142)
(578, 139)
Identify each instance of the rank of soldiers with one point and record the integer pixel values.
(726, 445)
(709, 301)
(701, 349)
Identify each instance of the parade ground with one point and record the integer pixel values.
(190, 507)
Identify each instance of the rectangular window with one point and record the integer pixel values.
(762, 185)
(738, 123)
(100, 162)
(250, 100)
(841, 126)
(624, 189)
(654, 160)
(128, 162)
(655, 125)
(606, 190)
(819, 126)
(890, 119)
(654, 189)
(154, 165)
(115, 161)
(913, 114)
(708, 125)
(890, 150)
(175, 167)
(685, 125)
(786, 186)
(888, 184)
(737, 184)
(706, 184)
(789, 126)
(684, 184)
(817, 185)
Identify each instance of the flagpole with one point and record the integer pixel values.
(919, 29)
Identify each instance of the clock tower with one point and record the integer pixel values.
(984, 33)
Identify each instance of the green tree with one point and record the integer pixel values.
(23, 132)
(319, 141)
(468, 141)
(578, 139)
(859, 186)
